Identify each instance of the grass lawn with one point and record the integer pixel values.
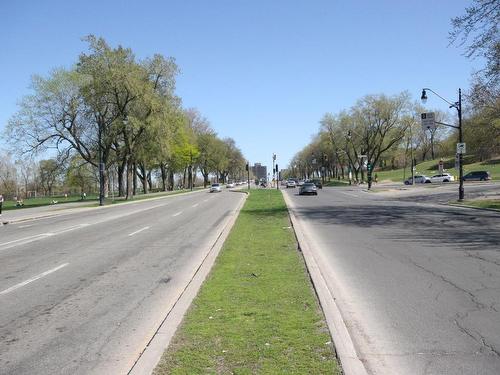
(482, 203)
(430, 168)
(257, 312)
(336, 183)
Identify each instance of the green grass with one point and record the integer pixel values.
(257, 312)
(336, 183)
(482, 203)
(430, 168)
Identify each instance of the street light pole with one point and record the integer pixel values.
(191, 179)
(461, 192)
(101, 168)
(458, 107)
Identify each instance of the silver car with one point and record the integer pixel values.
(420, 179)
(308, 188)
(215, 188)
(444, 177)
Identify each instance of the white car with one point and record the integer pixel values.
(230, 185)
(444, 177)
(215, 188)
(419, 179)
(290, 184)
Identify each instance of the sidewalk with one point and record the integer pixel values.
(23, 214)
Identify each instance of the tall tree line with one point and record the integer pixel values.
(122, 111)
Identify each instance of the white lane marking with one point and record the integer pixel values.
(352, 195)
(43, 274)
(36, 237)
(205, 200)
(138, 231)
(25, 226)
(177, 214)
(29, 239)
(195, 205)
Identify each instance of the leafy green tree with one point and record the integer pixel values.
(49, 173)
(80, 174)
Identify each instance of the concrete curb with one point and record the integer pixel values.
(472, 207)
(160, 341)
(344, 346)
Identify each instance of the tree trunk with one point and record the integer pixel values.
(121, 179)
(105, 183)
(163, 171)
(134, 179)
(143, 176)
(129, 180)
(171, 179)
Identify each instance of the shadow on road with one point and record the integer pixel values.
(469, 231)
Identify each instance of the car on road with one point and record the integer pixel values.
(442, 177)
(318, 183)
(419, 179)
(300, 182)
(290, 184)
(477, 176)
(215, 188)
(230, 185)
(308, 188)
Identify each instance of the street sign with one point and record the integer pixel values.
(460, 148)
(428, 121)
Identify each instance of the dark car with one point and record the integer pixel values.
(477, 176)
(318, 183)
(308, 188)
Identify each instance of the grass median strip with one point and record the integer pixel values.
(481, 203)
(257, 312)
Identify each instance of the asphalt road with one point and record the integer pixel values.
(417, 282)
(83, 293)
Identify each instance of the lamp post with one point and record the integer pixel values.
(101, 168)
(191, 169)
(458, 107)
(274, 160)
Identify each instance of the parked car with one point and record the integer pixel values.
(290, 184)
(215, 188)
(444, 177)
(419, 179)
(308, 188)
(477, 176)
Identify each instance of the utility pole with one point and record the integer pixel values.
(277, 178)
(248, 174)
(461, 144)
(101, 168)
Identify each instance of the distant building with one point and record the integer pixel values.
(259, 171)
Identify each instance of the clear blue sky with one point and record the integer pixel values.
(263, 71)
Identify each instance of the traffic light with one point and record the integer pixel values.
(369, 167)
(246, 167)
(276, 168)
